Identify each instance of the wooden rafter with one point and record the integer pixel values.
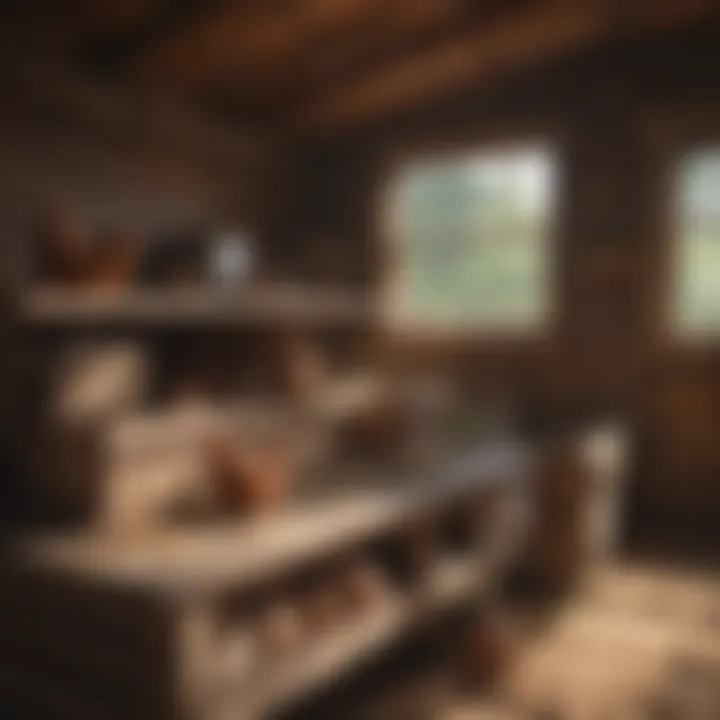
(430, 23)
(311, 65)
(95, 22)
(111, 53)
(236, 39)
(316, 64)
(535, 32)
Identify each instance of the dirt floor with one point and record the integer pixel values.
(640, 641)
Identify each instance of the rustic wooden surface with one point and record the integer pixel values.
(144, 620)
(314, 64)
(262, 304)
(201, 560)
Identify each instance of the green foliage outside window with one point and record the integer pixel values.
(696, 293)
(473, 239)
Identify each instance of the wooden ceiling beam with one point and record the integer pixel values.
(429, 23)
(382, 30)
(472, 54)
(237, 40)
(535, 32)
(94, 21)
(111, 53)
(381, 19)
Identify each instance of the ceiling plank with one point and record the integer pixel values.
(472, 54)
(313, 63)
(388, 20)
(534, 33)
(430, 22)
(111, 53)
(235, 41)
(94, 22)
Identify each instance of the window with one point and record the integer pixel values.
(696, 262)
(471, 240)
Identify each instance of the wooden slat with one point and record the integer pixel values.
(451, 582)
(113, 50)
(236, 40)
(323, 63)
(537, 32)
(473, 55)
(390, 22)
(275, 59)
(348, 55)
(95, 21)
(329, 657)
(283, 303)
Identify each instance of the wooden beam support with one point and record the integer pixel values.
(239, 43)
(349, 54)
(535, 32)
(471, 55)
(382, 34)
(318, 64)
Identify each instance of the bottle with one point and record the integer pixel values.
(231, 259)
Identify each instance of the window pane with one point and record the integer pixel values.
(697, 259)
(471, 236)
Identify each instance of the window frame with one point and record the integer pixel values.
(472, 333)
(671, 135)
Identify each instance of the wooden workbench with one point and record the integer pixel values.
(98, 618)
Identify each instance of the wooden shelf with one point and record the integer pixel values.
(328, 659)
(453, 581)
(177, 584)
(204, 561)
(271, 303)
(274, 685)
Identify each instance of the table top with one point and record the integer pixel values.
(197, 561)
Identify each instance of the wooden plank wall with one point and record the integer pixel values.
(128, 159)
(604, 354)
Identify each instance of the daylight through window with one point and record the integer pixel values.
(696, 295)
(471, 241)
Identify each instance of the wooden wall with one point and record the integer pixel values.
(605, 353)
(125, 158)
